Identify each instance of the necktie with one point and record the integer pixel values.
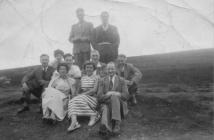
(43, 73)
(111, 84)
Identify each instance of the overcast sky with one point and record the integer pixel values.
(31, 27)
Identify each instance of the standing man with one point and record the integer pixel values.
(35, 82)
(106, 39)
(131, 74)
(80, 36)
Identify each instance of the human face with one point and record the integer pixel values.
(44, 60)
(69, 60)
(59, 57)
(121, 59)
(80, 15)
(94, 57)
(111, 69)
(104, 18)
(89, 69)
(62, 71)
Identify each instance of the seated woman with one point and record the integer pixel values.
(85, 103)
(55, 97)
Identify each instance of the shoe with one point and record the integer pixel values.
(103, 130)
(26, 108)
(71, 128)
(93, 120)
(116, 129)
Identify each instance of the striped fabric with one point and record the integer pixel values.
(84, 105)
(87, 82)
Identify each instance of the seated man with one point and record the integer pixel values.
(58, 55)
(101, 67)
(131, 74)
(36, 81)
(112, 95)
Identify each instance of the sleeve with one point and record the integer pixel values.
(125, 92)
(137, 75)
(71, 36)
(28, 76)
(116, 38)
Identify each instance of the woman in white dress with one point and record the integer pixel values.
(56, 95)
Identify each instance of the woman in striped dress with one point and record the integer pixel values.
(85, 103)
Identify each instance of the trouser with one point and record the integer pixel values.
(36, 92)
(111, 111)
(107, 53)
(133, 89)
(81, 58)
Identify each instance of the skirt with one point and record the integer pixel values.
(82, 105)
(54, 104)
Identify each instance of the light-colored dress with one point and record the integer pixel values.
(84, 105)
(55, 98)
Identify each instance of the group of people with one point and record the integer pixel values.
(99, 87)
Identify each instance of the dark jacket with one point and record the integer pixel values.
(38, 78)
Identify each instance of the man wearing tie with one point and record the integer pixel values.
(106, 39)
(35, 82)
(112, 95)
(81, 36)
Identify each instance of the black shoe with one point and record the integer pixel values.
(103, 130)
(26, 108)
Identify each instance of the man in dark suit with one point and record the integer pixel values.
(35, 82)
(106, 39)
(131, 74)
(81, 36)
(112, 95)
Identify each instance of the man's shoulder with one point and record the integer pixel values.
(112, 27)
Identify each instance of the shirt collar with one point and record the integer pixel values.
(105, 28)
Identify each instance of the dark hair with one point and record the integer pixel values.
(58, 51)
(68, 55)
(89, 63)
(44, 55)
(80, 9)
(62, 65)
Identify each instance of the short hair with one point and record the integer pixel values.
(62, 65)
(95, 52)
(104, 13)
(122, 55)
(68, 55)
(80, 10)
(89, 63)
(44, 55)
(58, 51)
(111, 63)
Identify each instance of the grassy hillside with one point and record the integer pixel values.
(189, 67)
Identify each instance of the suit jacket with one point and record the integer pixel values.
(38, 78)
(81, 31)
(130, 73)
(111, 36)
(119, 86)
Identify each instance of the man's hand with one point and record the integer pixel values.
(25, 87)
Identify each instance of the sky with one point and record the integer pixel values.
(29, 28)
